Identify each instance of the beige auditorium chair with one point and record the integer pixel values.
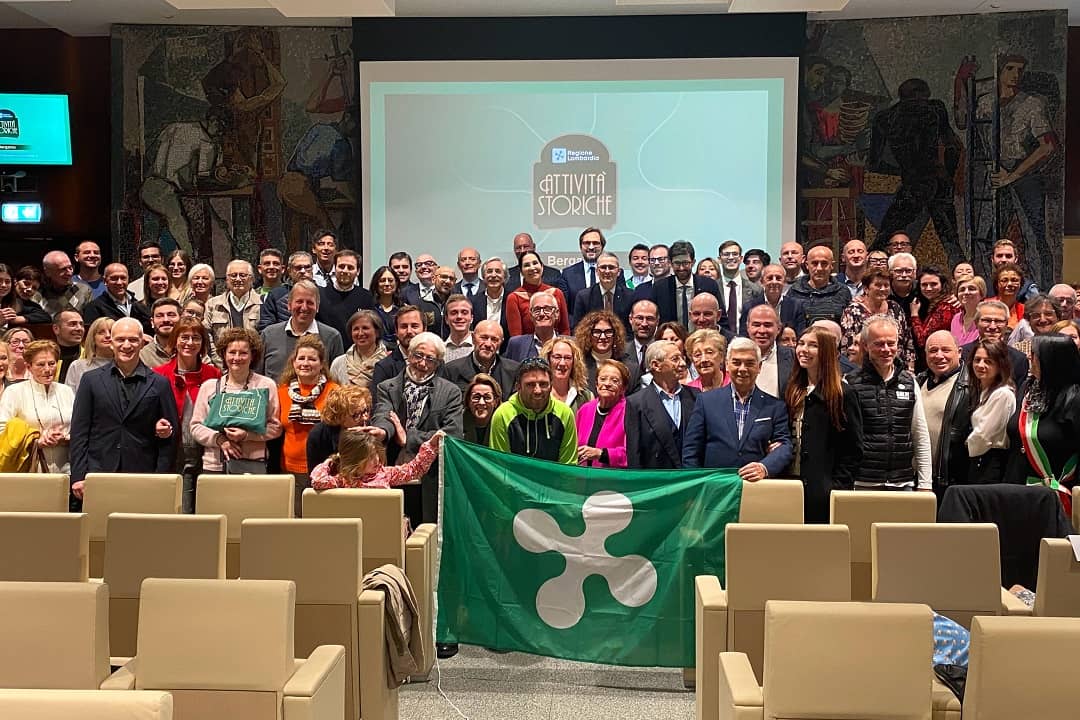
(106, 493)
(324, 558)
(826, 660)
(772, 501)
(859, 510)
(1019, 667)
(55, 635)
(763, 563)
(193, 644)
(955, 568)
(34, 492)
(160, 546)
(1058, 581)
(85, 705)
(381, 512)
(44, 547)
(240, 497)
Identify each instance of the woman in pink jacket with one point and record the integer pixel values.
(600, 430)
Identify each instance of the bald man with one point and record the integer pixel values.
(945, 392)
(705, 313)
(822, 297)
(59, 291)
(129, 411)
(1066, 295)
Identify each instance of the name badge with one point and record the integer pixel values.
(903, 395)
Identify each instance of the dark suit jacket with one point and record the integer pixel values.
(785, 360)
(105, 306)
(572, 281)
(478, 290)
(520, 348)
(592, 298)
(479, 312)
(550, 277)
(275, 306)
(792, 312)
(750, 291)
(462, 371)
(652, 440)
(662, 292)
(712, 437)
(442, 411)
(105, 438)
(390, 366)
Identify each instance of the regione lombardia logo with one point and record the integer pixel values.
(9, 123)
(574, 184)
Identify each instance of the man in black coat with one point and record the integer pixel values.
(124, 418)
(487, 338)
(657, 415)
(342, 296)
(608, 285)
(117, 301)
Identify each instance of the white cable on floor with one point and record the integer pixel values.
(438, 686)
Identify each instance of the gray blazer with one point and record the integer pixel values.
(278, 345)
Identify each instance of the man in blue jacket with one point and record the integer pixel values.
(739, 426)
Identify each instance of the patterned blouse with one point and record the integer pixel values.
(385, 477)
(854, 317)
(939, 318)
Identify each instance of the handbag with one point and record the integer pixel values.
(244, 409)
(242, 466)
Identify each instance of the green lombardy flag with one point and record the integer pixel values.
(577, 563)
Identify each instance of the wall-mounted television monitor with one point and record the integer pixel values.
(34, 129)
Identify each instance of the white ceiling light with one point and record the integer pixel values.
(334, 8)
(764, 6)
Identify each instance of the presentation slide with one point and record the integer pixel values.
(34, 130)
(471, 153)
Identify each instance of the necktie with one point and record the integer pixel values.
(469, 290)
(607, 301)
(592, 275)
(732, 307)
(641, 359)
(684, 312)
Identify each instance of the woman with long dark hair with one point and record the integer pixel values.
(386, 290)
(826, 423)
(1044, 428)
(934, 307)
(993, 402)
(14, 310)
(518, 313)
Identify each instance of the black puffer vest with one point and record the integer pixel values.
(887, 409)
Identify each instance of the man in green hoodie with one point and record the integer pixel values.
(531, 422)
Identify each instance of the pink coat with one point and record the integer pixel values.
(612, 433)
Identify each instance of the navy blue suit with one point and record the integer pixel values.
(652, 440)
(106, 438)
(520, 348)
(712, 439)
(592, 298)
(792, 312)
(572, 281)
(662, 292)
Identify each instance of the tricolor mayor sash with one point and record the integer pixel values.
(1037, 458)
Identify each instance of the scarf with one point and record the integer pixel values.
(416, 394)
(360, 369)
(303, 409)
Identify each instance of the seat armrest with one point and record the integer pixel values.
(421, 535)
(1012, 605)
(313, 673)
(122, 679)
(740, 697)
(710, 639)
(317, 690)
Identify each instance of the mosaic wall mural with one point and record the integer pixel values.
(232, 139)
(949, 127)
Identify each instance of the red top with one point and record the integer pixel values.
(939, 318)
(519, 319)
(189, 382)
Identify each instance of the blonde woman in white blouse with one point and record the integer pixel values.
(994, 402)
(42, 403)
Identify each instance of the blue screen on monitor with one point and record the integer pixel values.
(34, 129)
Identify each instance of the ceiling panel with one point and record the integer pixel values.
(94, 17)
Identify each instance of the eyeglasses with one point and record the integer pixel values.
(477, 398)
(603, 333)
(361, 413)
(657, 261)
(608, 268)
(299, 268)
(730, 255)
(992, 321)
(643, 318)
(426, 263)
(903, 271)
(18, 341)
(591, 243)
(543, 310)
(238, 276)
(190, 339)
(421, 357)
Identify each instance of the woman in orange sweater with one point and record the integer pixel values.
(302, 392)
